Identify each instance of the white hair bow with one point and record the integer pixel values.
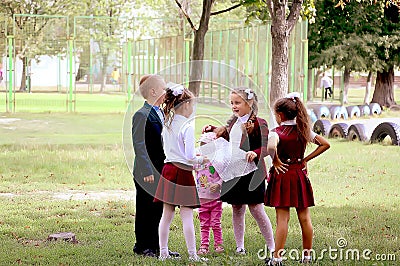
(250, 95)
(177, 89)
(292, 95)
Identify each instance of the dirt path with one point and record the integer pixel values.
(114, 195)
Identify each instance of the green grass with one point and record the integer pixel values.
(356, 190)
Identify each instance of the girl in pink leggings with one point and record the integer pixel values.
(210, 211)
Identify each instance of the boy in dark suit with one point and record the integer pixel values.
(147, 124)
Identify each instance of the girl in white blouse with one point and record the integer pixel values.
(177, 186)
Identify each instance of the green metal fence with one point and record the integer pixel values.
(37, 41)
(78, 55)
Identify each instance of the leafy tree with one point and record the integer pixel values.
(199, 37)
(359, 37)
(284, 15)
(388, 52)
(35, 35)
(105, 27)
(342, 38)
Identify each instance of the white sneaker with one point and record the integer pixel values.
(240, 251)
(195, 258)
(163, 258)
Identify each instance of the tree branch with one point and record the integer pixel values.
(269, 5)
(226, 10)
(293, 15)
(186, 15)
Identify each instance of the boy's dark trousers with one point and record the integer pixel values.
(147, 217)
(326, 92)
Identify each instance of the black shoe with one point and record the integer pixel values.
(174, 254)
(145, 252)
(149, 253)
(137, 250)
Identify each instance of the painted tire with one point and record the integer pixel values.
(394, 108)
(338, 112)
(322, 112)
(353, 111)
(365, 110)
(322, 127)
(338, 131)
(386, 129)
(356, 132)
(375, 109)
(312, 115)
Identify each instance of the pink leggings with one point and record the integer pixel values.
(210, 214)
(263, 222)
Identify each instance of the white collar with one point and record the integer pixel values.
(243, 119)
(289, 123)
(179, 117)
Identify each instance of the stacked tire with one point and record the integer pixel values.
(384, 132)
(341, 112)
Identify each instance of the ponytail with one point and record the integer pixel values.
(303, 122)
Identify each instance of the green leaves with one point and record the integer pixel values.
(360, 36)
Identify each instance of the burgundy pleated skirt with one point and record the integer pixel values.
(291, 189)
(177, 187)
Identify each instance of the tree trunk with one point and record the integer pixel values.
(23, 77)
(280, 55)
(346, 84)
(281, 27)
(196, 66)
(317, 82)
(104, 70)
(368, 88)
(384, 88)
(310, 89)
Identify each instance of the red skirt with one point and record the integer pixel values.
(177, 187)
(291, 189)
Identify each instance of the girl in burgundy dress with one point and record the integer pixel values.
(177, 186)
(289, 185)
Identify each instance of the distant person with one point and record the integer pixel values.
(326, 85)
(147, 124)
(288, 185)
(115, 76)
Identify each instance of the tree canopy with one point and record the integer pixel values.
(358, 37)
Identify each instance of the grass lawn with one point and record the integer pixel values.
(67, 173)
(117, 102)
